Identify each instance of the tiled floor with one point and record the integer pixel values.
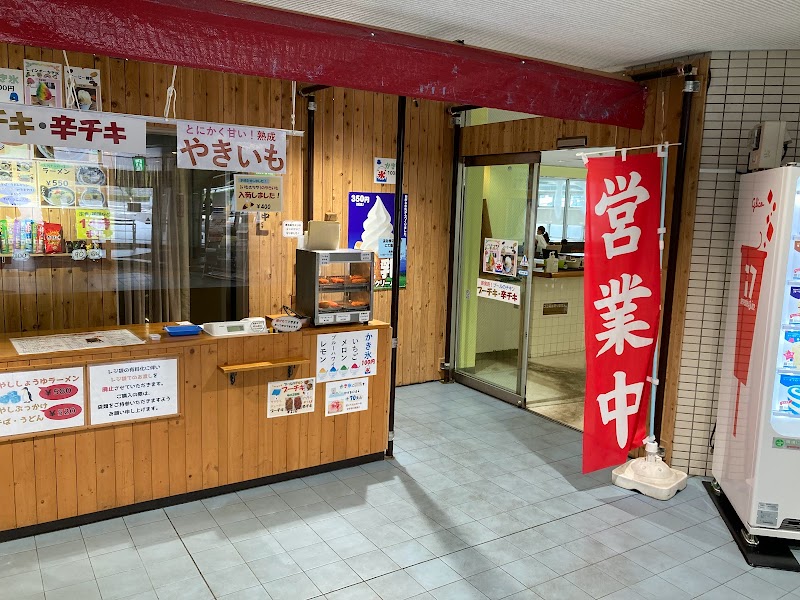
(483, 500)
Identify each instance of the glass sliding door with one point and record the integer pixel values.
(492, 274)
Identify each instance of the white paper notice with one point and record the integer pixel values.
(342, 397)
(346, 355)
(291, 397)
(499, 290)
(41, 400)
(292, 229)
(75, 341)
(129, 391)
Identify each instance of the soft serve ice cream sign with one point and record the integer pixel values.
(371, 228)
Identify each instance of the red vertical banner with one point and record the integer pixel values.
(622, 301)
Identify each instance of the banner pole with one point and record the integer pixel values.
(663, 151)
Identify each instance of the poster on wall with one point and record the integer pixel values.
(346, 355)
(11, 88)
(133, 390)
(500, 257)
(258, 193)
(499, 290)
(342, 397)
(18, 183)
(622, 295)
(292, 397)
(41, 400)
(43, 83)
(370, 227)
(219, 147)
(93, 224)
(385, 170)
(86, 83)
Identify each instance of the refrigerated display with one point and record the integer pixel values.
(757, 436)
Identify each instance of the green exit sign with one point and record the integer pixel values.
(138, 163)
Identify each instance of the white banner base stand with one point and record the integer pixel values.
(650, 475)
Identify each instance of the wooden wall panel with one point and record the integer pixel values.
(74, 473)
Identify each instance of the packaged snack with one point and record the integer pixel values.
(52, 238)
(5, 240)
(39, 238)
(26, 231)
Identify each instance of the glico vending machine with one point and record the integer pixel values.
(757, 440)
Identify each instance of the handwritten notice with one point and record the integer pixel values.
(292, 397)
(347, 355)
(129, 391)
(342, 397)
(258, 193)
(41, 400)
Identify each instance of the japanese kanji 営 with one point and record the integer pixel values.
(619, 204)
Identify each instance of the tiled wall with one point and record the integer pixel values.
(556, 334)
(745, 89)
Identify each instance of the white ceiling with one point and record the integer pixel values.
(601, 34)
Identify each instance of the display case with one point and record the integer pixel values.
(335, 286)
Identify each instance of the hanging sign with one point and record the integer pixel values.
(11, 88)
(71, 129)
(218, 147)
(370, 227)
(43, 83)
(385, 170)
(41, 400)
(292, 397)
(258, 193)
(93, 224)
(622, 295)
(133, 390)
(346, 355)
(499, 290)
(87, 89)
(342, 397)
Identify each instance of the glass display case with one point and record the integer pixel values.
(335, 286)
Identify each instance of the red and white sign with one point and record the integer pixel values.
(65, 128)
(622, 294)
(218, 147)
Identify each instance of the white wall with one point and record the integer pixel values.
(556, 334)
(745, 89)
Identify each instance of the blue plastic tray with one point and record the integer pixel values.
(179, 330)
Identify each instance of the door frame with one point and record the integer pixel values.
(532, 159)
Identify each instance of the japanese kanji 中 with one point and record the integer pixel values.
(621, 410)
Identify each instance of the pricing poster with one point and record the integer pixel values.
(11, 89)
(18, 183)
(293, 397)
(43, 83)
(87, 89)
(342, 397)
(385, 170)
(258, 193)
(41, 400)
(93, 224)
(130, 391)
(500, 257)
(347, 355)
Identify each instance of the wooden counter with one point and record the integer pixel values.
(560, 274)
(221, 438)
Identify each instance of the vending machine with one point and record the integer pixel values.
(757, 438)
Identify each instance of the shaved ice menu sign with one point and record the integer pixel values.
(370, 227)
(347, 355)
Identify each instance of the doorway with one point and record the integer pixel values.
(493, 274)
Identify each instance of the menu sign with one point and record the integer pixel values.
(11, 86)
(43, 83)
(41, 400)
(18, 183)
(346, 355)
(144, 389)
(342, 397)
(293, 397)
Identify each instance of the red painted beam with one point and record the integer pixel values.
(255, 40)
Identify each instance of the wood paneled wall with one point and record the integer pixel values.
(222, 435)
(662, 124)
(352, 127)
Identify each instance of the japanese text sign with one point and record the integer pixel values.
(93, 224)
(342, 397)
(292, 397)
(71, 129)
(498, 290)
(11, 86)
(41, 400)
(346, 355)
(385, 170)
(258, 193)
(217, 147)
(134, 390)
(622, 296)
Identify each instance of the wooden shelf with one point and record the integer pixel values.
(291, 362)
